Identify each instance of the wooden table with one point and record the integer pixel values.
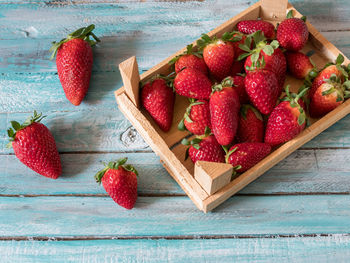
(299, 210)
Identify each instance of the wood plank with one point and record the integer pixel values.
(173, 216)
(300, 249)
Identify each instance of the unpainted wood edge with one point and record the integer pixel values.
(273, 10)
(131, 78)
(156, 142)
(276, 156)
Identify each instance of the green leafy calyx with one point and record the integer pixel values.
(83, 33)
(11, 132)
(115, 165)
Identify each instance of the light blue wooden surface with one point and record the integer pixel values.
(298, 211)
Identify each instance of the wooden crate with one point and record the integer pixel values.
(205, 184)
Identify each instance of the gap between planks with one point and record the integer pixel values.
(174, 194)
(178, 237)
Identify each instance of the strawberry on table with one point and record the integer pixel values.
(250, 125)
(192, 83)
(251, 26)
(292, 33)
(300, 65)
(263, 89)
(74, 62)
(244, 156)
(196, 117)
(218, 55)
(35, 146)
(204, 148)
(224, 107)
(328, 96)
(287, 120)
(159, 99)
(190, 59)
(265, 55)
(120, 182)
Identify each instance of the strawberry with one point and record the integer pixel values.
(328, 96)
(218, 55)
(204, 148)
(196, 117)
(35, 146)
(262, 89)
(250, 125)
(244, 156)
(238, 85)
(159, 99)
(235, 39)
(251, 26)
(287, 120)
(292, 33)
(120, 182)
(224, 106)
(74, 62)
(189, 59)
(329, 70)
(300, 65)
(265, 56)
(192, 83)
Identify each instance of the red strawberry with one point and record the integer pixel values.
(190, 59)
(196, 118)
(325, 74)
(74, 63)
(287, 120)
(292, 33)
(218, 55)
(204, 148)
(265, 56)
(120, 182)
(224, 106)
(238, 85)
(244, 156)
(35, 146)
(299, 65)
(327, 97)
(262, 89)
(250, 125)
(251, 26)
(158, 99)
(192, 83)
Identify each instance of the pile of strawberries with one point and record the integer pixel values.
(239, 108)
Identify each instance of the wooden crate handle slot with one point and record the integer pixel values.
(212, 176)
(273, 9)
(131, 79)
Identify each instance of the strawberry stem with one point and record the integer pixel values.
(11, 132)
(115, 165)
(82, 33)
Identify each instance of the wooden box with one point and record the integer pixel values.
(207, 188)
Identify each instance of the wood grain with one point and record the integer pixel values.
(321, 249)
(304, 172)
(174, 216)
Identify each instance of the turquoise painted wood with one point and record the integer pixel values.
(296, 249)
(173, 216)
(305, 198)
(305, 171)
